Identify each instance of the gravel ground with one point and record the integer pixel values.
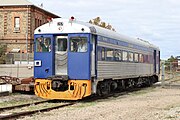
(17, 98)
(153, 103)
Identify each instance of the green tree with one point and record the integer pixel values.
(171, 63)
(97, 21)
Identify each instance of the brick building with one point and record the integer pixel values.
(18, 19)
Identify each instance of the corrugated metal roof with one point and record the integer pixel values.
(14, 2)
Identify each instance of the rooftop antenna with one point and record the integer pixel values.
(41, 5)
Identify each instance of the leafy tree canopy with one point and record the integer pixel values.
(2, 50)
(97, 21)
(172, 59)
(2, 53)
(171, 63)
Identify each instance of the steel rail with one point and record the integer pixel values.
(25, 113)
(22, 105)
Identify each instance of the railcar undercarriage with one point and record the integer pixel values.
(57, 88)
(107, 86)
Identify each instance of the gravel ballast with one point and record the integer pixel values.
(146, 104)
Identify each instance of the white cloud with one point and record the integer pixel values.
(155, 20)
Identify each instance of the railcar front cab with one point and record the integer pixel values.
(63, 66)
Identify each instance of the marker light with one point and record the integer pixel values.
(72, 18)
(49, 19)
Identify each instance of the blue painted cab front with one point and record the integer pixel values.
(43, 56)
(78, 58)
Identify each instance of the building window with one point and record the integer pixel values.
(36, 23)
(39, 23)
(16, 24)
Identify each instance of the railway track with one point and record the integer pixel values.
(173, 84)
(22, 105)
(7, 116)
(88, 99)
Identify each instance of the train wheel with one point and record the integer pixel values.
(131, 83)
(103, 88)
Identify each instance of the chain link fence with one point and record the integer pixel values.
(19, 58)
(18, 65)
(170, 73)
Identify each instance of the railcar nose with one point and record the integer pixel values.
(65, 90)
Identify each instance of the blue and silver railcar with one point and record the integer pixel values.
(75, 59)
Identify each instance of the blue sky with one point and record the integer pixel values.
(157, 21)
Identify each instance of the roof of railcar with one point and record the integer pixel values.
(59, 25)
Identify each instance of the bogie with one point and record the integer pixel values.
(107, 86)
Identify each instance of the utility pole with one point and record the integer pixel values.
(162, 77)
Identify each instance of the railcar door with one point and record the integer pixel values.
(61, 55)
(79, 56)
(43, 56)
(93, 56)
(154, 61)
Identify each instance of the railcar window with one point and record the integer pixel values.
(43, 44)
(99, 53)
(61, 44)
(146, 59)
(110, 54)
(141, 58)
(125, 56)
(151, 59)
(136, 57)
(118, 55)
(131, 57)
(78, 44)
(103, 53)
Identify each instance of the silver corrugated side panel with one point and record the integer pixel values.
(5, 88)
